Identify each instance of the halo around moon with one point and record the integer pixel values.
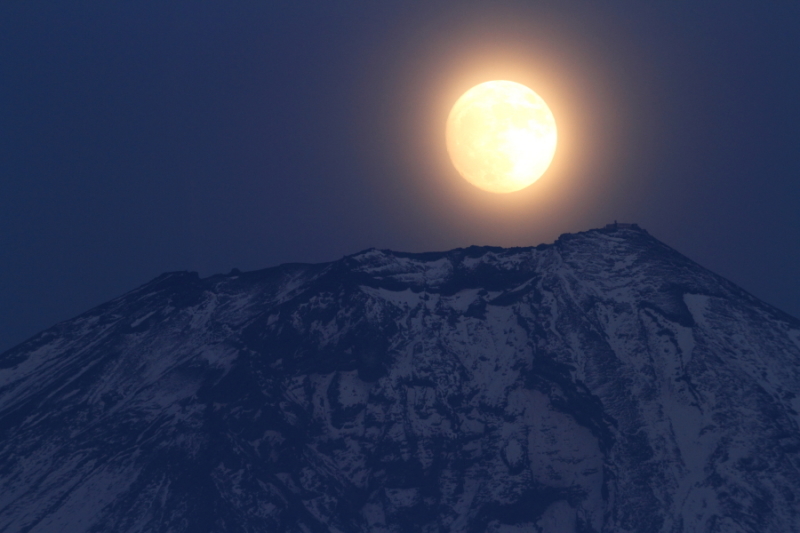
(501, 136)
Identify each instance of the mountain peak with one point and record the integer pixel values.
(602, 383)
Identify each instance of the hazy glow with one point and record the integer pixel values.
(501, 136)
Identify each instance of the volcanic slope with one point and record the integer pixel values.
(603, 383)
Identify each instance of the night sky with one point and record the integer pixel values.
(140, 137)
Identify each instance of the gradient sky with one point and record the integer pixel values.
(139, 137)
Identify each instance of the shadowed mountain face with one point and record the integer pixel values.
(603, 383)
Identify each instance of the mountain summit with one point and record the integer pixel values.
(603, 383)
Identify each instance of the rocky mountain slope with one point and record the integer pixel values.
(604, 383)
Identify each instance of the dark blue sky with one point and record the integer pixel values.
(139, 137)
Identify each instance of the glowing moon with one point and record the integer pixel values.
(501, 136)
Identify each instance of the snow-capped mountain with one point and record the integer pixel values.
(603, 383)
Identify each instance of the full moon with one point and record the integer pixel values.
(501, 136)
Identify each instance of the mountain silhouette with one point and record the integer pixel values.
(602, 383)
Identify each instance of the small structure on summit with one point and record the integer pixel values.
(621, 225)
